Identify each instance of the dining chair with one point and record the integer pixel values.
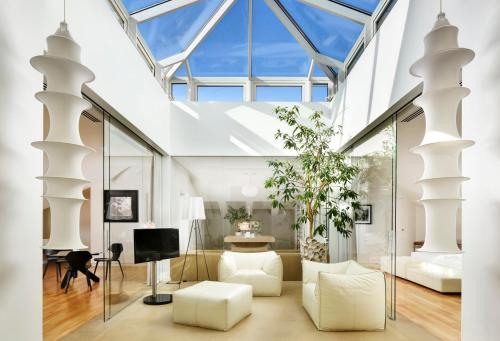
(51, 258)
(116, 250)
(78, 261)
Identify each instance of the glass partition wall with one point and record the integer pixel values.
(132, 197)
(373, 242)
(228, 184)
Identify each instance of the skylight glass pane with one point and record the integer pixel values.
(317, 72)
(319, 92)
(172, 33)
(181, 72)
(275, 52)
(332, 35)
(136, 5)
(220, 93)
(179, 91)
(363, 5)
(224, 52)
(278, 93)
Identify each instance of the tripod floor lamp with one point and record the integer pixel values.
(195, 212)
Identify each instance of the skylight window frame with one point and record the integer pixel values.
(165, 72)
(160, 9)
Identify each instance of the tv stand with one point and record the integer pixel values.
(155, 298)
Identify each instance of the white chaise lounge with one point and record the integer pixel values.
(441, 272)
(343, 296)
(262, 270)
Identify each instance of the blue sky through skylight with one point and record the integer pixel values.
(278, 94)
(136, 5)
(364, 5)
(220, 93)
(332, 35)
(275, 52)
(224, 52)
(172, 33)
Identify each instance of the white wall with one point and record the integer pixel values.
(122, 80)
(481, 210)
(20, 202)
(384, 67)
(229, 129)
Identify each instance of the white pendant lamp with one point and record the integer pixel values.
(442, 144)
(64, 179)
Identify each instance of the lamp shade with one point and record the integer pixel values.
(196, 210)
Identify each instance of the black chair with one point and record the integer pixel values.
(116, 250)
(51, 258)
(77, 261)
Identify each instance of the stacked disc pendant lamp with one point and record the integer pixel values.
(65, 151)
(441, 147)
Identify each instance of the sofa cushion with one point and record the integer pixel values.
(310, 270)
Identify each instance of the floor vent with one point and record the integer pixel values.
(413, 116)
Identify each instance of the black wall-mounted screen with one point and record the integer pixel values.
(155, 244)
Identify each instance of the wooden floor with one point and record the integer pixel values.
(437, 313)
(63, 313)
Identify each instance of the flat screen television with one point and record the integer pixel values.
(155, 244)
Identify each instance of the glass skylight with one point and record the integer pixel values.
(172, 32)
(137, 5)
(275, 52)
(224, 52)
(220, 93)
(367, 6)
(278, 93)
(332, 35)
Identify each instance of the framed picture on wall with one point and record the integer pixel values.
(121, 206)
(363, 215)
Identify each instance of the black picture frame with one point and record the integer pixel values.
(363, 215)
(121, 206)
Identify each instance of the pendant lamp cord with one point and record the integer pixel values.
(440, 6)
(64, 10)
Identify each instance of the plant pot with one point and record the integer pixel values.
(313, 250)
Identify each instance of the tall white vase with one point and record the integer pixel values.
(64, 149)
(442, 144)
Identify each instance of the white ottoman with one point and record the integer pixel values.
(213, 305)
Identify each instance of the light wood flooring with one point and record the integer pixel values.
(63, 313)
(435, 313)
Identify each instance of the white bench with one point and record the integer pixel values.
(213, 305)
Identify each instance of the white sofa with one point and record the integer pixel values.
(213, 305)
(262, 270)
(440, 272)
(343, 296)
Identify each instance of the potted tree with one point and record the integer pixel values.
(317, 180)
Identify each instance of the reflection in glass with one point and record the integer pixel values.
(172, 33)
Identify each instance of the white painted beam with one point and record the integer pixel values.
(340, 10)
(223, 9)
(160, 9)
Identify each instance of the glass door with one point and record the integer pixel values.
(129, 203)
(374, 237)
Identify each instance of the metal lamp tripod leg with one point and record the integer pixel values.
(185, 256)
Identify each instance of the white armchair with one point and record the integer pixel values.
(343, 296)
(262, 270)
